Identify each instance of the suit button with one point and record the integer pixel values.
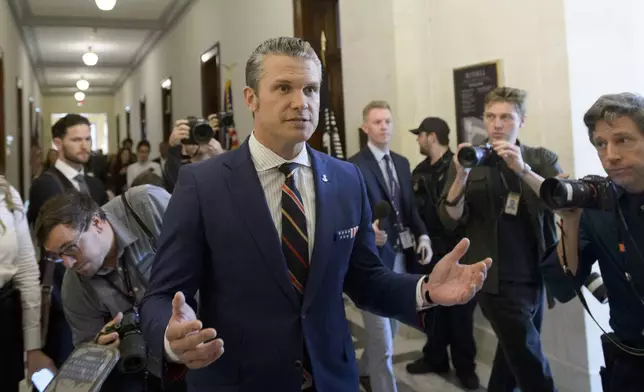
(298, 365)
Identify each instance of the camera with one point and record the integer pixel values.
(592, 192)
(132, 347)
(200, 131)
(226, 119)
(483, 155)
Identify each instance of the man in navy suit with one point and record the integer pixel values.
(387, 176)
(270, 235)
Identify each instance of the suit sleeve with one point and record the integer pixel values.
(178, 262)
(559, 284)
(371, 285)
(446, 220)
(42, 189)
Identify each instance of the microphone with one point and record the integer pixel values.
(381, 210)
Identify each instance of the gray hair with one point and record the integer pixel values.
(609, 107)
(286, 46)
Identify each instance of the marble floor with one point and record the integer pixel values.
(407, 346)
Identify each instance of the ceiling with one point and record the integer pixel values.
(58, 32)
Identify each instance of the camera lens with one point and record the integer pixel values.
(133, 353)
(202, 133)
(558, 193)
(469, 157)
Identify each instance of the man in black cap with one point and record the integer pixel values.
(445, 326)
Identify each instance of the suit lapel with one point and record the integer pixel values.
(375, 169)
(325, 192)
(250, 199)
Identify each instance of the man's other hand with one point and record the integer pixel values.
(180, 131)
(381, 235)
(452, 283)
(193, 346)
(110, 339)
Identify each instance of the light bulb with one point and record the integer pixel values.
(82, 84)
(105, 5)
(79, 96)
(90, 58)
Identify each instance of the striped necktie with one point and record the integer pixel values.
(295, 242)
(295, 246)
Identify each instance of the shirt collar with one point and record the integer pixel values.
(265, 159)
(377, 152)
(67, 170)
(122, 235)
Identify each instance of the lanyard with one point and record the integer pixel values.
(129, 294)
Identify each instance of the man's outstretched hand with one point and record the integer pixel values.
(451, 283)
(195, 347)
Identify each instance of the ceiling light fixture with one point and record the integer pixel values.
(90, 58)
(82, 84)
(79, 96)
(166, 83)
(105, 5)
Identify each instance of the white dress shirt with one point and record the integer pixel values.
(267, 164)
(380, 154)
(18, 262)
(69, 172)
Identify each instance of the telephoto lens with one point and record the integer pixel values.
(470, 157)
(589, 192)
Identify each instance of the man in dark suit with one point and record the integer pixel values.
(72, 137)
(497, 203)
(243, 228)
(387, 176)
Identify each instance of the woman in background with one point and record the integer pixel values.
(19, 294)
(117, 178)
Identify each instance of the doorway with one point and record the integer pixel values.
(128, 123)
(311, 18)
(211, 81)
(21, 141)
(143, 111)
(3, 137)
(166, 108)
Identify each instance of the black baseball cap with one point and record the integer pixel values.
(432, 125)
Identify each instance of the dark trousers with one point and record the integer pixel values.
(451, 326)
(516, 314)
(626, 371)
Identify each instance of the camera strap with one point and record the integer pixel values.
(628, 349)
(129, 294)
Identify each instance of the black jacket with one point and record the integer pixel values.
(377, 191)
(480, 216)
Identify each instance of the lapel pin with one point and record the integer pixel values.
(324, 178)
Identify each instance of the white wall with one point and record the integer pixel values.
(92, 104)
(239, 26)
(16, 65)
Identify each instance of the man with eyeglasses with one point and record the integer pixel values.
(108, 252)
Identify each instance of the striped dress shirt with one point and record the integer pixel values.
(267, 164)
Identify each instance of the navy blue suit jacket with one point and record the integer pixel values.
(218, 237)
(377, 191)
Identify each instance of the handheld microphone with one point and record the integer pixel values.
(381, 210)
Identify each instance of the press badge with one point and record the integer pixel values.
(512, 204)
(406, 239)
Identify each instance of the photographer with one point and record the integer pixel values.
(192, 140)
(108, 252)
(492, 192)
(608, 226)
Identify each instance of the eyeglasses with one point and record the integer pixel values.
(71, 250)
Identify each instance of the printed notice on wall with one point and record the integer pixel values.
(471, 84)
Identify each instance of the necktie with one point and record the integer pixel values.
(394, 189)
(295, 246)
(82, 185)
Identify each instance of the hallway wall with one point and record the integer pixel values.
(239, 26)
(16, 66)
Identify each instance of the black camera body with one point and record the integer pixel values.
(200, 131)
(593, 192)
(483, 155)
(226, 119)
(132, 346)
